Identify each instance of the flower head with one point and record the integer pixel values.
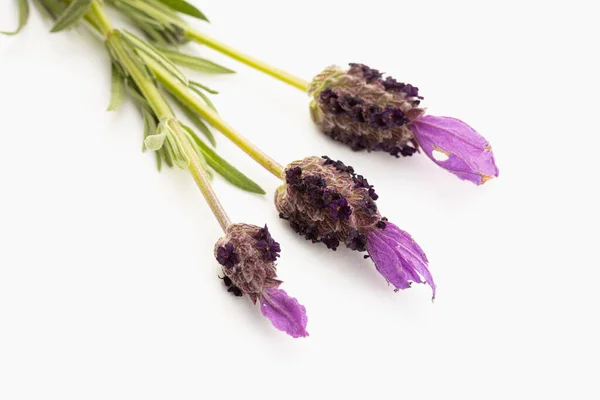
(327, 201)
(360, 108)
(248, 255)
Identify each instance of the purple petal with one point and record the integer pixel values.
(470, 156)
(398, 257)
(284, 312)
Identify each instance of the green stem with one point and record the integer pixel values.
(101, 19)
(189, 98)
(162, 110)
(200, 177)
(246, 59)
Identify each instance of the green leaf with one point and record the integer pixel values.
(223, 168)
(195, 63)
(198, 123)
(149, 125)
(203, 96)
(203, 87)
(23, 17)
(72, 15)
(155, 54)
(155, 142)
(185, 8)
(117, 90)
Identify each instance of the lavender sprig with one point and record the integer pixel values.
(358, 107)
(361, 109)
(247, 253)
(325, 201)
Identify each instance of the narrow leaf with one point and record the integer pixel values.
(117, 90)
(204, 97)
(184, 7)
(149, 125)
(23, 17)
(203, 87)
(155, 54)
(159, 158)
(223, 168)
(72, 15)
(195, 63)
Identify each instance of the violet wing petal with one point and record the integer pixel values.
(470, 156)
(284, 312)
(398, 257)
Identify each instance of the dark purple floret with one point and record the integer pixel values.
(396, 116)
(357, 241)
(339, 209)
(372, 193)
(293, 176)
(267, 244)
(392, 85)
(330, 99)
(331, 242)
(381, 120)
(369, 207)
(231, 288)
(270, 248)
(408, 151)
(361, 182)
(369, 74)
(380, 224)
(226, 256)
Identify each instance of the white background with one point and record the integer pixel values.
(108, 286)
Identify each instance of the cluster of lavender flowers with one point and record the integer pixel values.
(248, 254)
(361, 109)
(326, 201)
(365, 111)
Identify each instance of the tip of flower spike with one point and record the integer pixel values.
(399, 258)
(468, 155)
(284, 312)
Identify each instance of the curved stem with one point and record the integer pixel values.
(277, 73)
(187, 96)
(162, 110)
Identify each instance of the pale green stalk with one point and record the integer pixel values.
(163, 111)
(277, 73)
(189, 98)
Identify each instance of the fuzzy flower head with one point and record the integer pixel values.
(248, 254)
(326, 201)
(361, 108)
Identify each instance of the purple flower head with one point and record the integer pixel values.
(330, 203)
(254, 274)
(468, 155)
(360, 108)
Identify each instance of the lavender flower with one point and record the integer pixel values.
(361, 109)
(248, 255)
(326, 201)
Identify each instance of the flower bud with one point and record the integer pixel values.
(326, 201)
(360, 108)
(248, 254)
